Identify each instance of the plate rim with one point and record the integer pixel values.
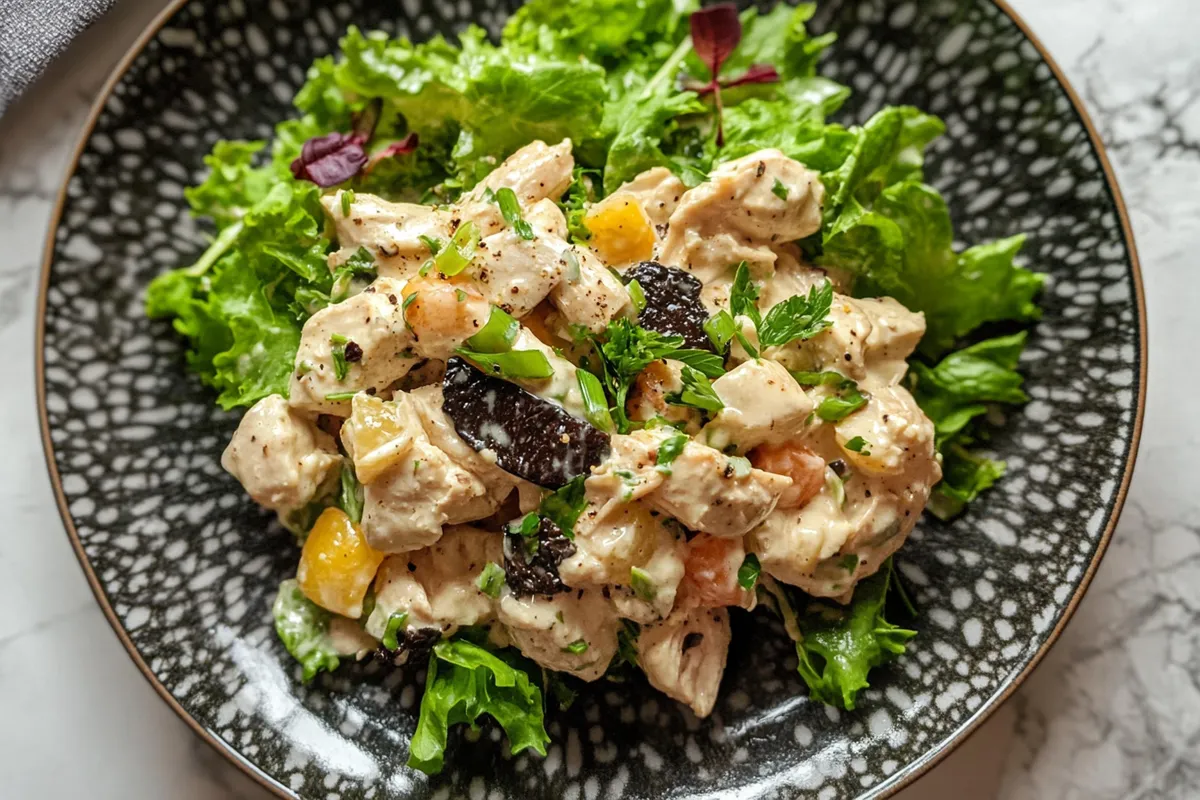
(904, 777)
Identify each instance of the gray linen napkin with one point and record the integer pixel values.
(33, 33)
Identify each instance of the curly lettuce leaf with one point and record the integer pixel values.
(606, 32)
(465, 681)
(303, 627)
(238, 304)
(957, 393)
(840, 645)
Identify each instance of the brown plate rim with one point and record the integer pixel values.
(911, 772)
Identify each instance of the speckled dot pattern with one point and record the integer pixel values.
(190, 565)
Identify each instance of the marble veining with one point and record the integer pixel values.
(1115, 710)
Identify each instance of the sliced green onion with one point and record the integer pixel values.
(511, 210)
(491, 579)
(347, 199)
(497, 335)
(637, 296)
(572, 266)
(576, 647)
(780, 190)
(741, 466)
(642, 584)
(337, 350)
(395, 623)
(595, 404)
(459, 252)
(518, 364)
(337, 397)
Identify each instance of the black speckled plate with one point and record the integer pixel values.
(185, 566)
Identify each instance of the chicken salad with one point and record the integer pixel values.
(545, 389)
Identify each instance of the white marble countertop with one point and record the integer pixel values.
(1113, 712)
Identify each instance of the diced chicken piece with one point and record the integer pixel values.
(892, 435)
(534, 172)
(648, 398)
(588, 294)
(390, 232)
(791, 541)
(280, 457)
(846, 532)
(442, 316)
(702, 487)
(684, 657)
(868, 337)
(737, 215)
(763, 403)
(369, 330)
(615, 535)
(437, 586)
(573, 632)
(653, 596)
(658, 191)
(347, 638)
(424, 489)
(514, 273)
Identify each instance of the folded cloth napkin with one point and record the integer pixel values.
(33, 33)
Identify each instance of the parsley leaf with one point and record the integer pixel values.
(564, 506)
(748, 572)
(491, 579)
(798, 317)
(697, 392)
(669, 450)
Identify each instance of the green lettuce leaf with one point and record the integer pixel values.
(464, 682)
(606, 32)
(840, 645)
(956, 394)
(303, 627)
(238, 304)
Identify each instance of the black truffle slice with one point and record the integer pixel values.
(532, 438)
(531, 562)
(673, 303)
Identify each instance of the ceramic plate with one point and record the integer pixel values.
(186, 566)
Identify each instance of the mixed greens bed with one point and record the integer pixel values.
(634, 84)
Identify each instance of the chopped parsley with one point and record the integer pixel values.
(846, 398)
(491, 579)
(563, 506)
(432, 242)
(748, 572)
(779, 190)
(697, 392)
(669, 450)
(798, 317)
(849, 562)
(859, 445)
